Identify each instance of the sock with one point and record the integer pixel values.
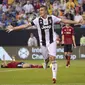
(46, 61)
(36, 66)
(66, 57)
(54, 69)
(68, 60)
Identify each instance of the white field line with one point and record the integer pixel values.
(48, 84)
(12, 70)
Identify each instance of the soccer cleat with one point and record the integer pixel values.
(68, 66)
(54, 80)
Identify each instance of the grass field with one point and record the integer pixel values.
(75, 75)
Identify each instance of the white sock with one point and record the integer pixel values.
(54, 69)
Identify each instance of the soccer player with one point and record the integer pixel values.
(17, 64)
(68, 39)
(47, 36)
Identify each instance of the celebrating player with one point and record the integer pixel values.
(68, 39)
(47, 37)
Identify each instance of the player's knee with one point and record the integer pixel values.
(53, 62)
(52, 58)
(69, 54)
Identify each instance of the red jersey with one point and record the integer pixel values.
(12, 64)
(67, 32)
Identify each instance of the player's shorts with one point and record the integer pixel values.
(20, 65)
(68, 48)
(49, 50)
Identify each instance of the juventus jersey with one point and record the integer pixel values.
(46, 29)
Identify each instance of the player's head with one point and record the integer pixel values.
(43, 11)
(67, 25)
(31, 35)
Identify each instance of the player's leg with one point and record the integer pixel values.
(44, 51)
(69, 53)
(27, 65)
(4, 63)
(69, 56)
(36, 66)
(52, 57)
(66, 54)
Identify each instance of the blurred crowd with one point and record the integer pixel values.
(18, 12)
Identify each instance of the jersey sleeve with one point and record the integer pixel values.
(34, 22)
(62, 31)
(56, 19)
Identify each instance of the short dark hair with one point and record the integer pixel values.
(43, 6)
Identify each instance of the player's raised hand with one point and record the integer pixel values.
(9, 28)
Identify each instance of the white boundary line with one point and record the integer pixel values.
(48, 84)
(12, 70)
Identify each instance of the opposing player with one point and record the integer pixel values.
(45, 25)
(68, 39)
(16, 64)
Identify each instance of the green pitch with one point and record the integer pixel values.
(75, 75)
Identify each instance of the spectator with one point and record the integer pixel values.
(70, 4)
(32, 41)
(36, 5)
(76, 2)
(1, 25)
(18, 7)
(78, 18)
(10, 1)
(43, 2)
(83, 22)
(63, 4)
(69, 15)
(80, 1)
(28, 7)
(4, 7)
(83, 5)
(82, 40)
(49, 8)
(1, 12)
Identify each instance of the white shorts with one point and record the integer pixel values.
(49, 50)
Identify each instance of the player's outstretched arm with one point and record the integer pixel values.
(66, 21)
(11, 28)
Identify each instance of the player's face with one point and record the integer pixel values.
(42, 12)
(67, 25)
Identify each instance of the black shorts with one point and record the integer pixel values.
(20, 65)
(68, 48)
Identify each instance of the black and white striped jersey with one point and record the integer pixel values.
(46, 29)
